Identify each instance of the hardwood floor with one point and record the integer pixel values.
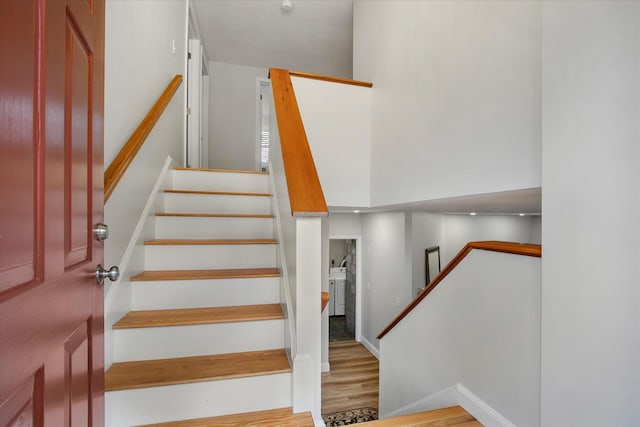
(183, 370)
(453, 416)
(274, 417)
(199, 316)
(353, 380)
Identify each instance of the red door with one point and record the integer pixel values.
(51, 174)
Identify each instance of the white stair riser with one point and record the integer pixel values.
(220, 181)
(213, 228)
(181, 257)
(197, 400)
(206, 203)
(204, 293)
(197, 340)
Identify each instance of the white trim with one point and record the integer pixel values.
(133, 241)
(318, 422)
(456, 394)
(441, 399)
(372, 349)
(259, 82)
(194, 95)
(484, 413)
(325, 367)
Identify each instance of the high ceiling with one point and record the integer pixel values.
(314, 36)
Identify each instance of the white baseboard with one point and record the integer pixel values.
(441, 399)
(484, 413)
(372, 349)
(319, 422)
(456, 394)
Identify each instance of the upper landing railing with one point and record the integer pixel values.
(495, 246)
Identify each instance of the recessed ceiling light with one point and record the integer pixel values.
(287, 5)
(472, 213)
(522, 214)
(356, 211)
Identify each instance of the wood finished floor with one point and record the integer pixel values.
(450, 417)
(275, 417)
(353, 380)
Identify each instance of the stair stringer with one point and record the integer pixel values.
(117, 301)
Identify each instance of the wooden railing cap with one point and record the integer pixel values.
(114, 173)
(526, 249)
(305, 192)
(330, 79)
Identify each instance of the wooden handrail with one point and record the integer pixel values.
(305, 193)
(526, 249)
(330, 79)
(123, 159)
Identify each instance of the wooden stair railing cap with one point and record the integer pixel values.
(305, 192)
(526, 249)
(330, 79)
(114, 173)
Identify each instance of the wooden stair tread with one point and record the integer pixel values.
(211, 242)
(232, 273)
(470, 424)
(214, 215)
(222, 170)
(182, 370)
(452, 416)
(199, 316)
(218, 193)
(282, 417)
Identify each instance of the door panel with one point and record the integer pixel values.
(78, 138)
(51, 309)
(18, 185)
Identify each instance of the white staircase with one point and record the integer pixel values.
(205, 336)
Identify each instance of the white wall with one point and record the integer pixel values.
(232, 109)
(480, 328)
(386, 281)
(591, 200)
(337, 121)
(139, 64)
(456, 96)
(345, 224)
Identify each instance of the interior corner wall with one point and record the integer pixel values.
(232, 120)
(139, 64)
(591, 200)
(386, 288)
(456, 94)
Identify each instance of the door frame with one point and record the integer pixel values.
(259, 83)
(194, 99)
(358, 239)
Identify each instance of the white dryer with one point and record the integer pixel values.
(337, 278)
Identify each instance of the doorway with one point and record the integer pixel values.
(343, 289)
